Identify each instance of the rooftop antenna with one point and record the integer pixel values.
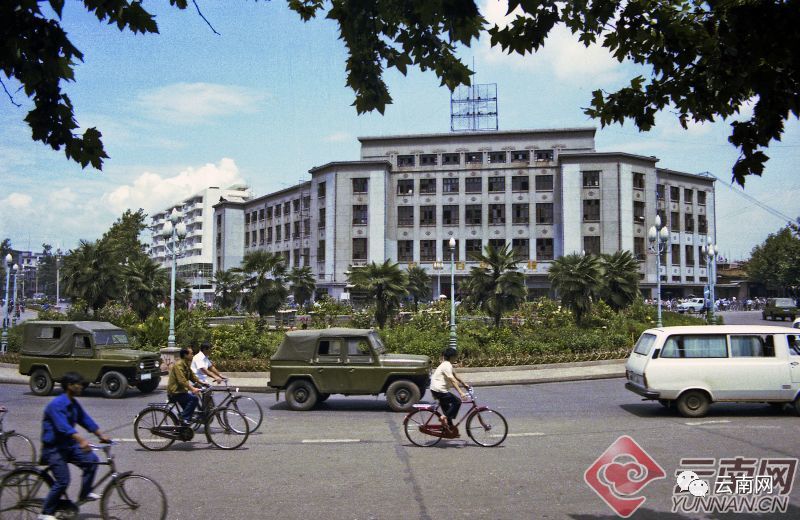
(473, 108)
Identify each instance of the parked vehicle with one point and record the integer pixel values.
(97, 350)
(780, 308)
(692, 305)
(693, 367)
(310, 365)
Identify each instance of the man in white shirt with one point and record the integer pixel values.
(444, 378)
(202, 366)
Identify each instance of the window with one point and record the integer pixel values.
(544, 248)
(544, 213)
(688, 222)
(450, 185)
(660, 191)
(674, 194)
(474, 248)
(269, 212)
(296, 205)
(675, 254)
(277, 210)
(645, 344)
(321, 251)
(591, 245)
(360, 215)
(287, 207)
(253, 238)
(247, 219)
(447, 251)
(521, 248)
(321, 190)
(427, 215)
(497, 157)
(497, 184)
(702, 224)
(497, 214)
(358, 351)
(261, 236)
(521, 156)
(638, 248)
(450, 215)
(675, 221)
(405, 250)
(473, 157)
(638, 211)
(277, 234)
(359, 249)
(321, 219)
(497, 243)
(329, 351)
(49, 333)
(286, 231)
(699, 346)
(261, 214)
(428, 159)
(473, 184)
(296, 258)
(688, 195)
(306, 203)
(451, 158)
(473, 214)
(544, 183)
(269, 235)
(405, 187)
(591, 179)
(246, 239)
(520, 183)
(405, 160)
(544, 155)
(689, 256)
(520, 213)
(427, 186)
(360, 185)
(752, 346)
(638, 180)
(405, 215)
(591, 210)
(427, 250)
(701, 198)
(296, 229)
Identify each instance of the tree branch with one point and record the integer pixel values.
(204, 18)
(10, 97)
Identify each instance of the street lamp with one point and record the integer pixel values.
(711, 251)
(4, 343)
(15, 272)
(58, 279)
(174, 232)
(452, 244)
(438, 266)
(199, 281)
(658, 236)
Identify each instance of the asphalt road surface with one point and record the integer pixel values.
(349, 458)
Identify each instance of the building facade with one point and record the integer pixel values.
(546, 193)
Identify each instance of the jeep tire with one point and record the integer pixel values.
(148, 385)
(113, 385)
(402, 395)
(41, 383)
(301, 395)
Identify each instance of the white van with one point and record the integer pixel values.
(696, 366)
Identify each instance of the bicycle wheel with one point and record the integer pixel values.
(134, 496)
(147, 422)
(487, 428)
(227, 429)
(414, 424)
(18, 448)
(22, 493)
(251, 410)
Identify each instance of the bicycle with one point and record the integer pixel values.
(126, 495)
(245, 405)
(16, 448)
(486, 427)
(157, 426)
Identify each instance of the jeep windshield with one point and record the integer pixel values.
(377, 344)
(110, 338)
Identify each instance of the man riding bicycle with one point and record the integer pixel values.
(444, 378)
(183, 386)
(202, 366)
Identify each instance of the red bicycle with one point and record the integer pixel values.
(486, 427)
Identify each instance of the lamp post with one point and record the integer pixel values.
(58, 278)
(452, 244)
(438, 266)
(658, 236)
(199, 281)
(711, 251)
(174, 232)
(4, 343)
(15, 272)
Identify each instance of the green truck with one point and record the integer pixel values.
(310, 365)
(97, 350)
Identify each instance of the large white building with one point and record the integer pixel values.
(195, 263)
(546, 192)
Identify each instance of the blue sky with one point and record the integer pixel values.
(266, 101)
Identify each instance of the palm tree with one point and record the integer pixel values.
(419, 284)
(496, 286)
(89, 274)
(577, 279)
(263, 279)
(302, 284)
(227, 287)
(620, 285)
(146, 284)
(385, 284)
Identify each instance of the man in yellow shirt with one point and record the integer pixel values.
(183, 387)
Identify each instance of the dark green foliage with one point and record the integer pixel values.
(419, 285)
(384, 284)
(776, 263)
(620, 279)
(577, 279)
(263, 275)
(496, 286)
(227, 288)
(302, 284)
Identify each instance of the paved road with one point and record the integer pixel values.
(751, 318)
(349, 458)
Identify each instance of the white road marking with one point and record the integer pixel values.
(528, 434)
(701, 423)
(130, 440)
(328, 441)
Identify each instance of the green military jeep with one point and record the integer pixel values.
(310, 365)
(97, 350)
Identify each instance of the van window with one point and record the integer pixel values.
(645, 344)
(695, 346)
(752, 346)
(794, 344)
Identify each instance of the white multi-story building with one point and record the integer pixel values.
(195, 263)
(547, 193)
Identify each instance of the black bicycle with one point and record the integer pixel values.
(16, 448)
(245, 405)
(126, 495)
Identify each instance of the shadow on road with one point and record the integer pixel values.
(719, 410)
(342, 404)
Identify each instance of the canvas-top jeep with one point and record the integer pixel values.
(99, 351)
(310, 365)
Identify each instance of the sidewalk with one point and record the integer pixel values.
(489, 376)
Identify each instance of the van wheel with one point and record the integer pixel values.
(402, 395)
(693, 403)
(113, 385)
(41, 383)
(301, 395)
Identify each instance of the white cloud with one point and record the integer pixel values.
(337, 137)
(63, 199)
(152, 191)
(18, 201)
(195, 102)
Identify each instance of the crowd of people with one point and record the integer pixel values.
(721, 304)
